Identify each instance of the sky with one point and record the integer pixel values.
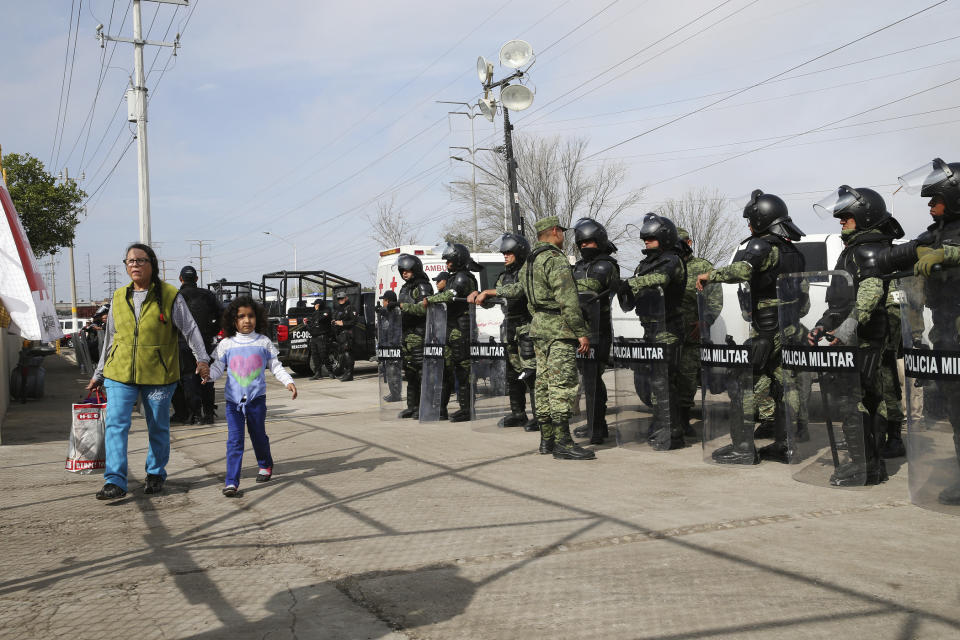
(282, 125)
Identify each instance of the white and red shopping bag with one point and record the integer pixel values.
(86, 451)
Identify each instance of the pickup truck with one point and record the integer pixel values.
(290, 306)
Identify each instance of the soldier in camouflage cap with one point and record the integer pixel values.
(559, 332)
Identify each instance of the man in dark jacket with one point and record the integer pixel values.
(345, 318)
(196, 402)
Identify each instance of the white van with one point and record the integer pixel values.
(69, 327)
(388, 278)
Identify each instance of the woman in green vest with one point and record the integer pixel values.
(140, 358)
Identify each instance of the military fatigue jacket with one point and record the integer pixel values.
(546, 279)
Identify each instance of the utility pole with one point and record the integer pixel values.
(472, 150)
(89, 281)
(73, 271)
(200, 244)
(137, 104)
(514, 196)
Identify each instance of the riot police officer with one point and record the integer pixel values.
(598, 277)
(345, 318)
(663, 267)
(515, 249)
(320, 326)
(416, 287)
(938, 245)
(868, 230)
(768, 253)
(460, 284)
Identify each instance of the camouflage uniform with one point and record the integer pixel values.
(864, 323)
(892, 443)
(664, 269)
(456, 353)
(689, 375)
(546, 280)
(764, 258)
(413, 318)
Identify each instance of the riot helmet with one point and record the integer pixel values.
(457, 255)
(936, 178)
(660, 229)
(589, 229)
(407, 262)
(864, 205)
(516, 244)
(768, 213)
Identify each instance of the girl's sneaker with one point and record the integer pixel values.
(264, 474)
(230, 490)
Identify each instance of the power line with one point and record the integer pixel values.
(808, 131)
(637, 66)
(63, 81)
(720, 93)
(777, 75)
(110, 174)
(637, 53)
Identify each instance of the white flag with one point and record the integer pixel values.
(22, 289)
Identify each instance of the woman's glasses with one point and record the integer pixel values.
(130, 262)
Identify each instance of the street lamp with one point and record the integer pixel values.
(515, 54)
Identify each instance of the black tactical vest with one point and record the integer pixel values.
(606, 271)
(942, 288)
(840, 300)
(515, 310)
(412, 292)
(763, 284)
(463, 282)
(667, 262)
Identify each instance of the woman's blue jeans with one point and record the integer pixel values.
(155, 404)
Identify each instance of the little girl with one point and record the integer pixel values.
(245, 354)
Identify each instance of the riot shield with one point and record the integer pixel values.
(728, 345)
(588, 410)
(434, 340)
(488, 364)
(826, 441)
(389, 363)
(929, 312)
(641, 373)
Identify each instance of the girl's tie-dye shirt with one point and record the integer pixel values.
(245, 359)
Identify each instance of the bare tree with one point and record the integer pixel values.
(707, 217)
(389, 226)
(553, 179)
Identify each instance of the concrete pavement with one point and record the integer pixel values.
(394, 529)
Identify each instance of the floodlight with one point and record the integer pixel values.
(484, 70)
(516, 97)
(488, 108)
(515, 54)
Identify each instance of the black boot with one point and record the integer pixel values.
(600, 432)
(565, 448)
(854, 472)
(741, 450)
(518, 402)
(779, 451)
(688, 430)
(670, 436)
(463, 399)
(764, 430)
(582, 431)
(547, 440)
(893, 443)
(532, 425)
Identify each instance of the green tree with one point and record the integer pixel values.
(48, 211)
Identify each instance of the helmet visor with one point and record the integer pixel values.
(929, 174)
(836, 201)
(504, 244)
